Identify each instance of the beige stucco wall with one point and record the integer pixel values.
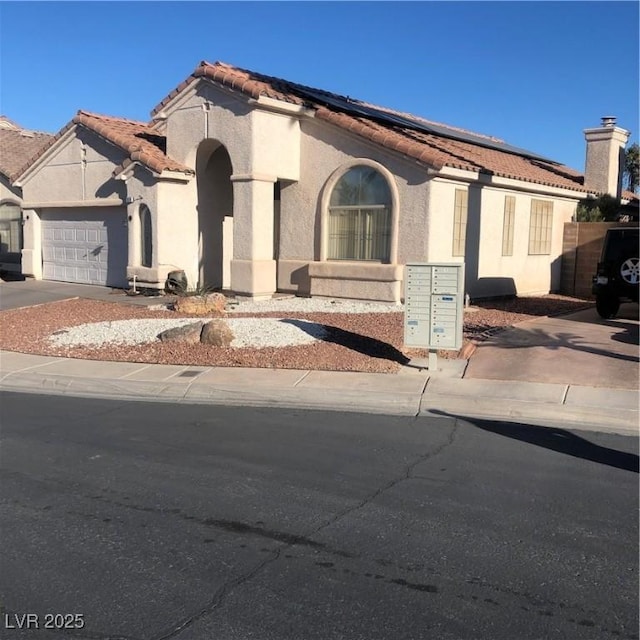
(263, 145)
(275, 141)
(175, 231)
(9, 193)
(141, 189)
(488, 272)
(259, 140)
(440, 222)
(78, 168)
(208, 114)
(32, 244)
(324, 149)
(532, 274)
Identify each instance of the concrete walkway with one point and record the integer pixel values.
(508, 378)
(410, 392)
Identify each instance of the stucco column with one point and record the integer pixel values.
(32, 244)
(253, 268)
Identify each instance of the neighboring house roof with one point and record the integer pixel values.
(18, 145)
(137, 139)
(6, 123)
(434, 144)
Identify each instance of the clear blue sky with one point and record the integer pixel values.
(533, 73)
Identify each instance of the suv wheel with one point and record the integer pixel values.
(629, 271)
(607, 306)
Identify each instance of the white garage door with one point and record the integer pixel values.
(86, 246)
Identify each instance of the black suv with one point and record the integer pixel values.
(617, 275)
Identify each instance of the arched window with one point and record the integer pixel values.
(360, 216)
(146, 241)
(10, 232)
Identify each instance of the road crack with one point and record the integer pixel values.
(293, 540)
(408, 475)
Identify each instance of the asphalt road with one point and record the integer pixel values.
(155, 521)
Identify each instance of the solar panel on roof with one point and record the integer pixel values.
(358, 108)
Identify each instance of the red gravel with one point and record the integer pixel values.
(370, 342)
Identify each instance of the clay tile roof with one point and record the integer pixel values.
(446, 147)
(137, 139)
(17, 145)
(249, 83)
(6, 123)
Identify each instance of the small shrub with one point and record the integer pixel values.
(200, 290)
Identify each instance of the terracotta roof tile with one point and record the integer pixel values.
(17, 146)
(429, 148)
(6, 123)
(138, 139)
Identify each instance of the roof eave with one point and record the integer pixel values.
(280, 106)
(126, 169)
(159, 112)
(174, 176)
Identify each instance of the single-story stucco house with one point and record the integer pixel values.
(259, 185)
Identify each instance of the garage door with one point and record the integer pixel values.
(85, 246)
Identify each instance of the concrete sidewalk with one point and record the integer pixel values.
(538, 372)
(413, 391)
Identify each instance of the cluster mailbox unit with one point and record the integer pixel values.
(434, 307)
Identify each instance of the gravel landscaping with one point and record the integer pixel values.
(298, 333)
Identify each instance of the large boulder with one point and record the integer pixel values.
(217, 333)
(185, 333)
(211, 303)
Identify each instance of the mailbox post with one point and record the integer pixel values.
(434, 307)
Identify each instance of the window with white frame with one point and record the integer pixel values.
(360, 216)
(540, 224)
(508, 224)
(10, 231)
(460, 222)
(146, 239)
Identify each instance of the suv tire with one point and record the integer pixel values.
(607, 306)
(617, 276)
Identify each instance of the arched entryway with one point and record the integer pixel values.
(215, 214)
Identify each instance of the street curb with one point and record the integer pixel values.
(531, 403)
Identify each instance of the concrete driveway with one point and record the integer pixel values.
(25, 293)
(579, 348)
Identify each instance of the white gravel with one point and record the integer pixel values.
(248, 332)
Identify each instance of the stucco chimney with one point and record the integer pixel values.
(605, 157)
